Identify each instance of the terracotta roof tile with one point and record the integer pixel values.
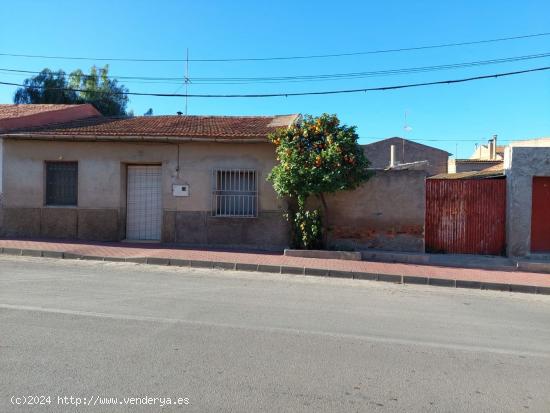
(8, 111)
(164, 126)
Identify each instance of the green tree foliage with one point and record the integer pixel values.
(46, 87)
(316, 156)
(96, 88)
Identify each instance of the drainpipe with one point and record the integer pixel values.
(392, 156)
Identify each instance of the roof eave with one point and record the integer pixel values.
(135, 138)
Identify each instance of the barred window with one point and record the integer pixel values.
(61, 183)
(235, 193)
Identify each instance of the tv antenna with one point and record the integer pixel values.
(186, 79)
(406, 128)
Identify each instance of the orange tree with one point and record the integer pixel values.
(317, 156)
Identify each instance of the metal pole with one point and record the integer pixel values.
(186, 79)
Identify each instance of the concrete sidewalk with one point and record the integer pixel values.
(516, 281)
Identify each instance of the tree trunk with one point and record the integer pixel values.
(291, 208)
(325, 220)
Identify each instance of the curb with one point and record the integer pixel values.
(282, 269)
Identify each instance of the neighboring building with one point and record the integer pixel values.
(527, 167)
(24, 116)
(405, 152)
(491, 151)
(472, 165)
(494, 171)
(195, 180)
(484, 157)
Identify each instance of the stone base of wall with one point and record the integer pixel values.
(269, 231)
(61, 223)
(400, 238)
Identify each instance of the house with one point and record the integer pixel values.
(406, 151)
(491, 151)
(484, 157)
(188, 180)
(195, 180)
(527, 168)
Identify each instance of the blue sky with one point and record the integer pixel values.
(455, 115)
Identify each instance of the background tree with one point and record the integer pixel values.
(316, 157)
(96, 88)
(46, 87)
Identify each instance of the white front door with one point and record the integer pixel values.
(144, 206)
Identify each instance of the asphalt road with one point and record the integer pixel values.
(243, 342)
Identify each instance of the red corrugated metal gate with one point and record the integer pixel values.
(540, 215)
(466, 216)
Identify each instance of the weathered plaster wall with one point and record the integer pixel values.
(522, 164)
(102, 191)
(387, 212)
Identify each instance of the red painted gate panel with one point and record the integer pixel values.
(466, 216)
(540, 215)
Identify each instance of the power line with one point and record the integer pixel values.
(308, 78)
(259, 59)
(449, 140)
(290, 94)
(359, 75)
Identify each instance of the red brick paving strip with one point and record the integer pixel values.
(125, 250)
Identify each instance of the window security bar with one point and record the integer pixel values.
(235, 193)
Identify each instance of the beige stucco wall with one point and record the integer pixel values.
(101, 171)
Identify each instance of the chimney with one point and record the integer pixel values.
(392, 156)
(494, 154)
(490, 145)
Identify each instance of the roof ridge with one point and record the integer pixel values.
(407, 140)
(214, 116)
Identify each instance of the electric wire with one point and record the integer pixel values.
(305, 78)
(298, 57)
(310, 93)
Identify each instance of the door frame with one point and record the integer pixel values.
(126, 166)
